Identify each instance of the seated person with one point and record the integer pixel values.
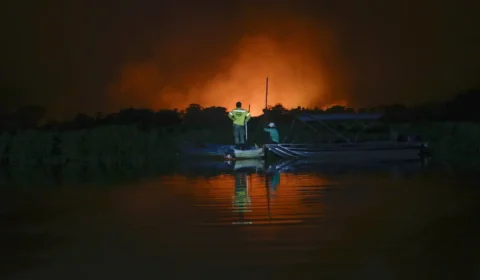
(274, 135)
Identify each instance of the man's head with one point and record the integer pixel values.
(239, 104)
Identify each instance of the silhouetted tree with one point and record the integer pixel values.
(168, 117)
(339, 109)
(82, 121)
(465, 106)
(462, 108)
(133, 116)
(29, 116)
(215, 115)
(395, 112)
(53, 125)
(193, 114)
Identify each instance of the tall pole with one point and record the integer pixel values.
(266, 96)
(246, 125)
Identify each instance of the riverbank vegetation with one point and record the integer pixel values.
(142, 137)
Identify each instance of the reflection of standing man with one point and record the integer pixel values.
(272, 180)
(241, 199)
(273, 177)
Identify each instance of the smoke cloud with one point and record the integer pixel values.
(292, 55)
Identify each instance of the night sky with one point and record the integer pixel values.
(90, 56)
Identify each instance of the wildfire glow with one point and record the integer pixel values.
(293, 64)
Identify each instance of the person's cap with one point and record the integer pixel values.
(271, 124)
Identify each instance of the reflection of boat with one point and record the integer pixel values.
(219, 150)
(318, 165)
(243, 154)
(248, 164)
(198, 165)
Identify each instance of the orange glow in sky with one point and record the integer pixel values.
(293, 64)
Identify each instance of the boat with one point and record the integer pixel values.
(221, 151)
(347, 149)
(247, 154)
(367, 151)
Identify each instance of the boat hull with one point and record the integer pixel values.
(249, 154)
(361, 152)
(220, 151)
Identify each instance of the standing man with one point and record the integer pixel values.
(239, 116)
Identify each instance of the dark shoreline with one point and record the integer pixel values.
(130, 145)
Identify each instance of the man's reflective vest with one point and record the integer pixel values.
(239, 116)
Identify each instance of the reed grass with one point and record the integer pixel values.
(107, 146)
(130, 145)
(455, 143)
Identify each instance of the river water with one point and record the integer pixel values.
(297, 220)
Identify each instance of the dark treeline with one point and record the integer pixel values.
(463, 108)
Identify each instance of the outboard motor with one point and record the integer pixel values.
(230, 155)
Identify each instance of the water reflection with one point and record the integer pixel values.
(293, 219)
(242, 201)
(272, 178)
(248, 165)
